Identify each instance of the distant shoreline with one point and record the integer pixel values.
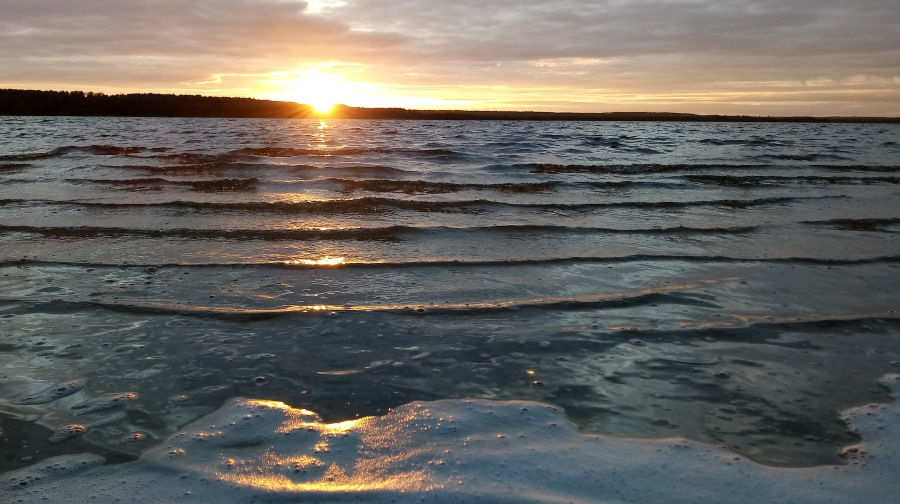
(19, 102)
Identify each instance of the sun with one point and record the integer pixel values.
(323, 86)
(320, 90)
(322, 106)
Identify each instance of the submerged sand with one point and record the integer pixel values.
(453, 451)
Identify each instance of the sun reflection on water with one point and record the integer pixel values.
(339, 457)
(324, 261)
(297, 197)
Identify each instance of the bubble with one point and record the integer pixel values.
(637, 342)
(179, 398)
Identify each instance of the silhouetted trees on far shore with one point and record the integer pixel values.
(22, 102)
(78, 103)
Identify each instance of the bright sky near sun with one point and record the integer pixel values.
(760, 57)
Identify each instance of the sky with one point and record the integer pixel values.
(757, 57)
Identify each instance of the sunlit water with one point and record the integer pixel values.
(727, 282)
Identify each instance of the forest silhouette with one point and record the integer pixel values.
(20, 102)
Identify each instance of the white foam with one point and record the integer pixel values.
(53, 392)
(105, 402)
(454, 451)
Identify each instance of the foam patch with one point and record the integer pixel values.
(105, 402)
(457, 451)
(53, 392)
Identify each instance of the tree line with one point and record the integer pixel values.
(78, 103)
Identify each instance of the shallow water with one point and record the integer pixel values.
(731, 283)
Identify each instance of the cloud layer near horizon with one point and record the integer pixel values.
(732, 56)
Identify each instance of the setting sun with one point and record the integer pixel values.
(324, 85)
(322, 106)
(321, 90)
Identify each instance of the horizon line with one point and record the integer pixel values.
(341, 111)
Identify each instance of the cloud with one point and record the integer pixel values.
(688, 31)
(589, 49)
(169, 38)
(657, 47)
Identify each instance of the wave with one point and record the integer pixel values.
(344, 151)
(99, 150)
(113, 150)
(644, 297)
(651, 168)
(877, 225)
(215, 167)
(861, 168)
(751, 142)
(657, 296)
(213, 185)
(750, 180)
(32, 156)
(162, 154)
(792, 157)
(388, 233)
(379, 205)
(627, 169)
(280, 152)
(381, 185)
(426, 187)
(455, 263)
(205, 161)
(12, 167)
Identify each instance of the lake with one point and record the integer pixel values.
(729, 283)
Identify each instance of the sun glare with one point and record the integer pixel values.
(325, 261)
(320, 90)
(322, 106)
(324, 85)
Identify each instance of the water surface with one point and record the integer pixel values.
(734, 283)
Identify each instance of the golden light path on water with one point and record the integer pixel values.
(325, 261)
(347, 456)
(225, 311)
